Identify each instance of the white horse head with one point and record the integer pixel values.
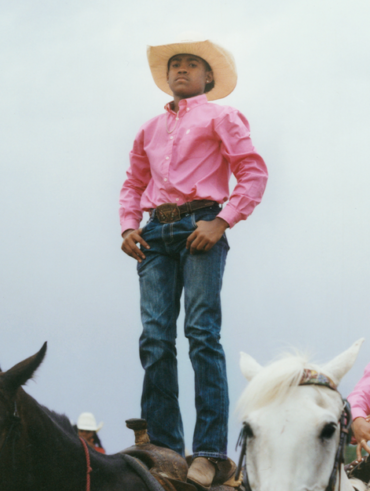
(293, 430)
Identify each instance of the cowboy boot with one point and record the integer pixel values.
(201, 473)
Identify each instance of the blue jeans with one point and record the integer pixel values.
(167, 270)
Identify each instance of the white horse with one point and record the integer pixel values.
(293, 430)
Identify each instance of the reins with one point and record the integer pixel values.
(345, 423)
(242, 442)
(15, 422)
(309, 377)
(88, 467)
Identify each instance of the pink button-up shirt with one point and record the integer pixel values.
(359, 398)
(190, 156)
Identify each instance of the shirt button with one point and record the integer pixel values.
(187, 132)
(171, 137)
(177, 199)
(177, 119)
(188, 108)
(165, 179)
(167, 158)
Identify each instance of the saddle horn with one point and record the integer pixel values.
(140, 428)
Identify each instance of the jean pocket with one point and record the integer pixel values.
(205, 214)
(193, 221)
(224, 238)
(148, 223)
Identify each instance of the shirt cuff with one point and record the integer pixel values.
(357, 412)
(230, 215)
(129, 224)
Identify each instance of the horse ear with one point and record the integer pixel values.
(23, 371)
(341, 364)
(248, 366)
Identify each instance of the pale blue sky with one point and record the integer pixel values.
(76, 87)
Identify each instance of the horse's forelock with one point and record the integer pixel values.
(273, 382)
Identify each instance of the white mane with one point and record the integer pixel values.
(273, 381)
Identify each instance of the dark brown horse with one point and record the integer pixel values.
(40, 451)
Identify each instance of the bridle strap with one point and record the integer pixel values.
(313, 377)
(15, 422)
(345, 423)
(88, 467)
(9, 433)
(242, 441)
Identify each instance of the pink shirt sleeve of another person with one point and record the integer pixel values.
(360, 409)
(359, 398)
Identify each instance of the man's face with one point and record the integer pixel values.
(88, 436)
(187, 76)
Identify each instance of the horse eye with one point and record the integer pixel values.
(328, 431)
(248, 430)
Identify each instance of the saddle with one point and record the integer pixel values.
(360, 469)
(168, 467)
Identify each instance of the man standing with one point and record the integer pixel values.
(179, 172)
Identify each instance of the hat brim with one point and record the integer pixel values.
(91, 428)
(220, 60)
(100, 426)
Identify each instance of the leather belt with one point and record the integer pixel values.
(171, 212)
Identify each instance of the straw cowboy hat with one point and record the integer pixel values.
(219, 59)
(87, 422)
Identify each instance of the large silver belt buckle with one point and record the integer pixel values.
(168, 213)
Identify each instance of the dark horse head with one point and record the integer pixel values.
(40, 451)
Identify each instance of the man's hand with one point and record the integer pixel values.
(361, 431)
(206, 235)
(130, 238)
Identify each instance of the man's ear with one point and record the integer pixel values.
(209, 77)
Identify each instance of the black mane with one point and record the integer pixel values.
(59, 419)
(40, 449)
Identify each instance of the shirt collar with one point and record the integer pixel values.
(188, 103)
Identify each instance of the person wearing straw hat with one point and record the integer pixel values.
(88, 430)
(180, 166)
